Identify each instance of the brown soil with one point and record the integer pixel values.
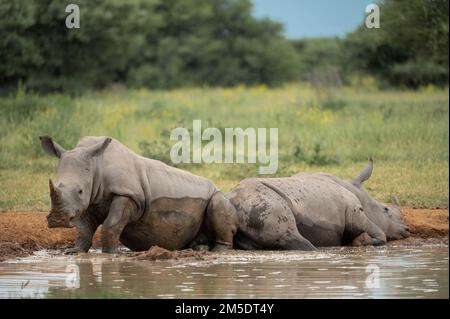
(23, 233)
(427, 223)
(13, 249)
(29, 231)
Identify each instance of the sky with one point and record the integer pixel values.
(313, 18)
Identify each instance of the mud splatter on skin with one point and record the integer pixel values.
(256, 219)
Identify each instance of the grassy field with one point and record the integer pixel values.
(332, 130)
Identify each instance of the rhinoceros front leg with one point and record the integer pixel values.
(365, 232)
(121, 211)
(362, 240)
(85, 230)
(222, 218)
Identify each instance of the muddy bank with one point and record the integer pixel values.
(23, 233)
(427, 223)
(158, 253)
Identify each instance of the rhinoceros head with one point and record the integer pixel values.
(70, 194)
(387, 216)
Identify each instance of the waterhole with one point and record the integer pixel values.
(387, 272)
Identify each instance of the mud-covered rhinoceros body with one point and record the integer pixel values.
(138, 201)
(312, 210)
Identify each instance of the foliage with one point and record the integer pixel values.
(152, 43)
(320, 59)
(410, 48)
(186, 43)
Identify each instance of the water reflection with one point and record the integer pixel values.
(368, 273)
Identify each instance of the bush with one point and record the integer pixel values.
(410, 49)
(414, 75)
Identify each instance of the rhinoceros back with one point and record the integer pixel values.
(171, 182)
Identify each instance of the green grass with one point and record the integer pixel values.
(332, 130)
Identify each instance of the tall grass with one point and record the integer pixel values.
(406, 132)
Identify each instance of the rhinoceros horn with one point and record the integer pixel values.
(55, 194)
(365, 174)
(395, 201)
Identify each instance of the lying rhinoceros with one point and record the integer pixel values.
(138, 201)
(312, 210)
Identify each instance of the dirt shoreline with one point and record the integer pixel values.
(21, 233)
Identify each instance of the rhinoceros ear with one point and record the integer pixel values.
(395, 201)
(99, 148)
(51, 147)
(365, 174)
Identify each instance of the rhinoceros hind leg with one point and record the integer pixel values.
(297, 242)
(267, 220)
(222, 219)
(121, 212)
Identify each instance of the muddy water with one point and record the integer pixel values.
(393, 272)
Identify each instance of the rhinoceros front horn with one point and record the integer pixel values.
(54, 193)
(395, 201)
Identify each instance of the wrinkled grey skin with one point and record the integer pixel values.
(306, 211)
(138, 201)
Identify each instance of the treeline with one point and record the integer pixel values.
(172, 43)
(410, 49)
(151, 43)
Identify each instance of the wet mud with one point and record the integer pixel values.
(22, 233)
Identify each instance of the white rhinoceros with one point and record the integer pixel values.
(312, 210)
(138, 201)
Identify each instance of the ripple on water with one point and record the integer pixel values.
(340, 272)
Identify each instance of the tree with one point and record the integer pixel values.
(152, 43)
(410, 48)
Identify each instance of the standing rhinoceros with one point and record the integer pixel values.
(138, 201)
(311, 210)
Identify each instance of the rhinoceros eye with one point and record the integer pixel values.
(80, 191)
(387, 212)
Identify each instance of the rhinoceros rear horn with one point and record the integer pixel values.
(365, 174)
(395, 201)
